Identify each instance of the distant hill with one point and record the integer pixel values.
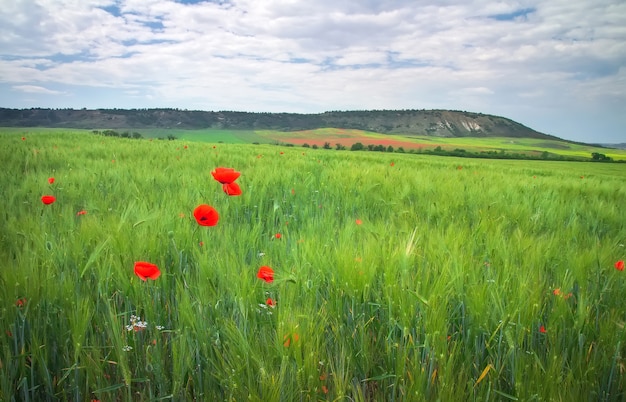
(615, 146)
(436, 123)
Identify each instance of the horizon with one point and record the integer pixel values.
(553, 66)
(313, 113)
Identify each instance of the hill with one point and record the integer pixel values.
(435, 123)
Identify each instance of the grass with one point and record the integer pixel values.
(347, 137)
(462, 279)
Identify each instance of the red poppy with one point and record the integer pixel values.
(206, 215)
(266, 273)
(51, 180)
(358, 221)
(231, 189)
(392, 164)
(619, 265)
(146, 270)
(288, 338)
(278, 235)
(48, 199)
(83, 212)
(23, 138)
(225, 175)
(556, 292)
(20, 302)
(282, 153)
(542, 329)
(270, 303)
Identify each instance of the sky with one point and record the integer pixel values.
(556, 66)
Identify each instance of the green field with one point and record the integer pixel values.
(397, 276)
(347, 137)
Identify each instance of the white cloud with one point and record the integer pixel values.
(511, 58)
(34, 89)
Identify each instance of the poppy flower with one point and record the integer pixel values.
(51, 180)
(48, 199)
(146, 270)
(20, 302)
(225, 175)
(23, 138)
(82, 212)
(556, 292)
(278, 235)
(270, 303)
(266, 273)
(358, 221)
(205, 215)
(619, 265)
(231, 189)
(542, 329)
(288, 338)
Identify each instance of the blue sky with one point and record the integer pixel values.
(557, 66)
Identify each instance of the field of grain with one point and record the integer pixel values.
(334, 275)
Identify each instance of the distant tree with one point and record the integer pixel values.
(305, 145)
(370, 147)
(314, 146)
(326, 145)
(379, 148)
(339, 147)
(401, 150)
(357, 146)
(596, 156)
(389, 148)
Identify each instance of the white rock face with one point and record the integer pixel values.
(471, 125)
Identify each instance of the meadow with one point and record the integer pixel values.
(335, 275)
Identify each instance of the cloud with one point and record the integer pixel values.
(279, 55)
(34, 89)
